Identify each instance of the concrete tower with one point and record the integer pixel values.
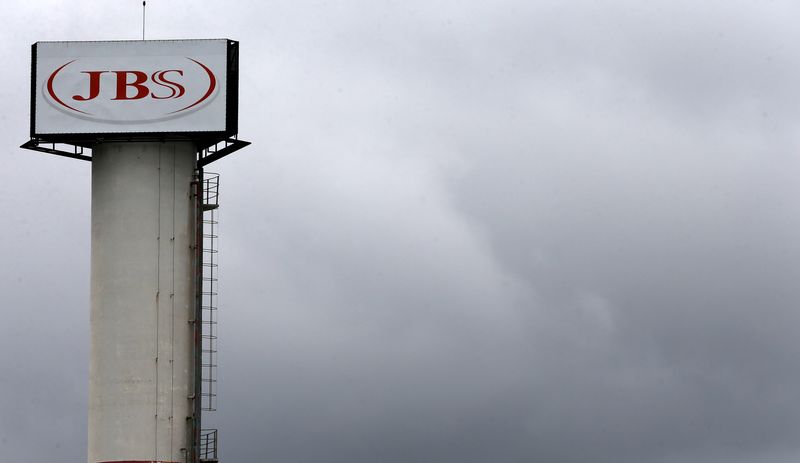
(141, 376)
(153, 113)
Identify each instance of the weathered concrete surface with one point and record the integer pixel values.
(142, 298)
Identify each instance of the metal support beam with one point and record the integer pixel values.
(36, 145)
(231, 145)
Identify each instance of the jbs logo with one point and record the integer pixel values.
(138, 85)
(129, 94)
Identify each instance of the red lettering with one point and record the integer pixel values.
(130, 85)
(176, 90)
(94, 86)
(123, 84)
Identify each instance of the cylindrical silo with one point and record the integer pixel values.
(143, 288)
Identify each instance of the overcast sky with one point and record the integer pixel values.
(466, 231)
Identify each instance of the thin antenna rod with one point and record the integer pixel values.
(144, 4)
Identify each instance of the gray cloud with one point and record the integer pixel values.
(492, 231)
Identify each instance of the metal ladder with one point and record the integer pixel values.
(210, 278)
(208, 396)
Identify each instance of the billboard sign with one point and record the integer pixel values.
(123, 89)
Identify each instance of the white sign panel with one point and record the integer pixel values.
(130, 87)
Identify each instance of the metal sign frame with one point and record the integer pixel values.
(203, 138)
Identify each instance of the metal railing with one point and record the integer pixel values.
(208, 445)
(220, 149)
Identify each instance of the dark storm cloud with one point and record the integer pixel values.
(493, 231)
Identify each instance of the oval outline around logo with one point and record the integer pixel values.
(53, 98)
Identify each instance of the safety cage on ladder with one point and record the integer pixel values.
(209, 290)
(209, 306)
